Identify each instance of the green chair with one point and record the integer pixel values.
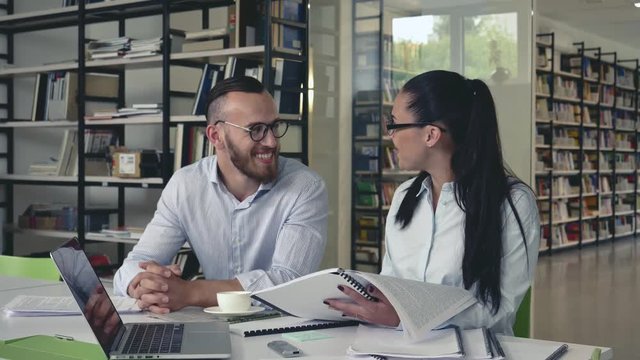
(522, 326)
(34, 268)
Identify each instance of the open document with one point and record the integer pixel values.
(421, 306)
(448, 343)
(28, 305)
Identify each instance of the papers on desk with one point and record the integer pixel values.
(28, 305)
(449, 343)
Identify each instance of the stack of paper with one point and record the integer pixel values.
(449, 343)
(28, 305)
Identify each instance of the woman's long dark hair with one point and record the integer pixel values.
(466, 108)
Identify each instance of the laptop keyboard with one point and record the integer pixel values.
(154, 339)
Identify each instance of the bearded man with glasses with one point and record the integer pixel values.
(253, 218)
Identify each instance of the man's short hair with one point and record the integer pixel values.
(237, 83)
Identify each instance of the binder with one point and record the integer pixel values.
(285, 324)
(50, 348)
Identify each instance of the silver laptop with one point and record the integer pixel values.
(198, 340)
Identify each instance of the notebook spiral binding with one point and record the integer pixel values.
(296, 328)
(356, 285)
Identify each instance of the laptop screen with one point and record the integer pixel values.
(88, 291)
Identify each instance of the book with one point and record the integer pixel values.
(284, 324)
(211, 74)
(370, 340)
(203, 45)
(447, 343)
(303, 297)
(31, 305)
(205, 34)
(293, 10)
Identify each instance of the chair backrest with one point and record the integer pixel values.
(34, 268)
(522, 326)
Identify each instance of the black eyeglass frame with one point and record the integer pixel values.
(392, 127)
(252, 128)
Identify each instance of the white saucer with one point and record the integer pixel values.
(217, 311)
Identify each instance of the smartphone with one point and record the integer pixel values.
(284, 348)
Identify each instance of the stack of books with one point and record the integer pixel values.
(148, 47)
(127, 112)
(207, 39)
(44, 168)
(109, 48)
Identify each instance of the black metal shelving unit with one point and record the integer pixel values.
(375, 169)
(118, 11)
(367, 162)
(589, 118)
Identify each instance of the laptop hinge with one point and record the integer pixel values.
(116, 342)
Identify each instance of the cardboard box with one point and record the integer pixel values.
(126, 164)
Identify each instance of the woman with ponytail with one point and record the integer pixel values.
(465, 220)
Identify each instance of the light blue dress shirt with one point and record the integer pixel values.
(273, 236)
(431, 249)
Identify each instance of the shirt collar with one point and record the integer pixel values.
(427, 185)
(215, 178)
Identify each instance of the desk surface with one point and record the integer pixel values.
(243, 348)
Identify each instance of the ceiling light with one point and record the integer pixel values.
(637, 4)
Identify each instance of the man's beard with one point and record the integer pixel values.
(245, 164)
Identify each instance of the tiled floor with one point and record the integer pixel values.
(591, 296)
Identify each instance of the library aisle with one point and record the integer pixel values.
(591, 296)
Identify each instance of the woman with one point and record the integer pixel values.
(464, 220)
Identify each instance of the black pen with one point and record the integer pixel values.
(558, 353)
(496, 344)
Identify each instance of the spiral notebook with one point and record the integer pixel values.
(303, 297)
(316, 287)
(285, 324)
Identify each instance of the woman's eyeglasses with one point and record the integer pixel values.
(258, 131)
(391, 126)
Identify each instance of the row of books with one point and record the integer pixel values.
(570, 233)
(56, 216)
(191, 145)
(367, 192)
(55, 94)
(367, 123)
(569, 186)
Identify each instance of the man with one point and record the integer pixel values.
(252, 218)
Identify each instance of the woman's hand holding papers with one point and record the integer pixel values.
(379, 312)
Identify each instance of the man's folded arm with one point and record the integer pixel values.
(160, 242)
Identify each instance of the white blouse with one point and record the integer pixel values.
(431, 249)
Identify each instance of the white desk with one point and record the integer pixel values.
(243, 348)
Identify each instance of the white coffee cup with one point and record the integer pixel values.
(234, 301)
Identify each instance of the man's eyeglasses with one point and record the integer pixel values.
(258, 131)
(391, 126)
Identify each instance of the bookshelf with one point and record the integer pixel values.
(267, 18)
(375, 170)
(586, 144)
